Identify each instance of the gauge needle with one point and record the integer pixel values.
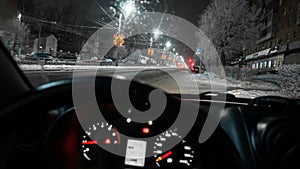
(169, 153)
(89, 142)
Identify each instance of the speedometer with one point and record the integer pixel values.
(102, 133)
(180, 156)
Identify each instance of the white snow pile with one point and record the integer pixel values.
(26, 67)
(31, 67)
(289, 80)
(240, 93)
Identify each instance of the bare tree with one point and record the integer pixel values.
(230, 25)
(15, 35)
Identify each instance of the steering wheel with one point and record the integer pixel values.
(47, 97)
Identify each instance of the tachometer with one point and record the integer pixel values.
(102, 133)
(180, 156)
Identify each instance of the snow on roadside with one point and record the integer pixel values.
(26, 67)
(246, 89)
(57, 67)
(253, 84)
(240, 93)
(252, 89)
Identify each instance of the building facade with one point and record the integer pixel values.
(47, 44)
(279, 41)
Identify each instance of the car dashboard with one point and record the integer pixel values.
(43, 130)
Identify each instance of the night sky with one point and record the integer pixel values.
(189, 9)
(186, 9)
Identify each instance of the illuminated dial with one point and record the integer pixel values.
(179, 156)
(102, 134)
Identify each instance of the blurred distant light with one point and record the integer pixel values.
(128, 7)
(157, 32)
(168, 44)
(19, 16)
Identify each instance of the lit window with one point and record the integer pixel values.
(274, 63)
(265, 64)
(270, 64)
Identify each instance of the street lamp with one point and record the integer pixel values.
(19, 17)
(17, 39)
(156, 32)
(126, 9)
(168, 44)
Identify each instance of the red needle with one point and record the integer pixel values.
(89, 142)
(164, 156)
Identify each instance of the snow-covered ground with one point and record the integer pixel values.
(58, 67)
(253, 93)
(25, 67)
(246, 89)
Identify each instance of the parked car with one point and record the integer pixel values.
(67, 56)
(39, 56)
(106, 62)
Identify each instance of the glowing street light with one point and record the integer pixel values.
(128, 7)
(168, 44)
(125, 10)
(156, 32)
(19, 16)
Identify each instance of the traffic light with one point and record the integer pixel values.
(122, 41)
(150, 52)
(118, 40)
(115, 41)
(163, 57)
(191, 62)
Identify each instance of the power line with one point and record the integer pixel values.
(103, 10)
(59, 26)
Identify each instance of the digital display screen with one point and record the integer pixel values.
(135, 153)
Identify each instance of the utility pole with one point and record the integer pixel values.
(150, 50)
(39, 39)
(118, 34)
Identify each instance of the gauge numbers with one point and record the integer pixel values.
(181, 155)
(103, 133)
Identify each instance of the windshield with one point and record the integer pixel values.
(246, 48)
